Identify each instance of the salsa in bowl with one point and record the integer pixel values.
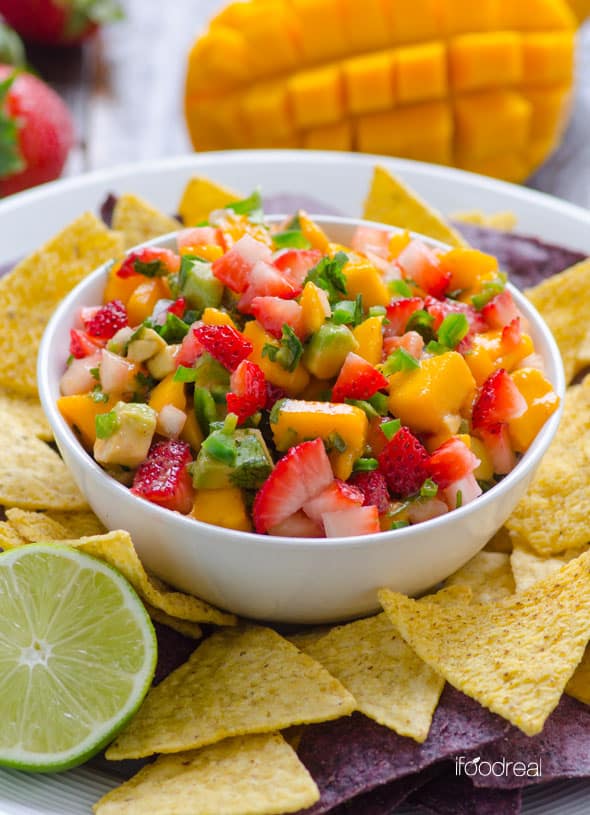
(305, 387)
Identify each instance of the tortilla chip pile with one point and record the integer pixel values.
(361, 717)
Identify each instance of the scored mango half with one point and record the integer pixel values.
(483, 86)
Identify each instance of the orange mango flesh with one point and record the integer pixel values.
(541, 401)
(80, 412)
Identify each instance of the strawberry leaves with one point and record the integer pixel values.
(11, 160)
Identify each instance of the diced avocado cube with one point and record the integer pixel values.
(251, 465)
(133, 426)
(198, 285)
(146, 344)
(327, 350)
(212, 375)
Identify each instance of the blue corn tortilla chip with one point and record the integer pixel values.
(385, 800)
(561, 750)
(451, 794)
(354, 755)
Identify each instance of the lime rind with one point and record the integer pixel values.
(77, 656)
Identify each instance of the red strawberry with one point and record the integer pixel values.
(300, 475)
(499, 400)
(511, 336)
(224, 343)
(374, 488)
(58, 22)
(273, 312)
(296, 263)
(163, 477)
(298, 525)
(190, 350)
(248, 391)
(357, 379)
(442, 308)
(36, 129)
(266, 281)
(399, 312)
(273, 394)
(411, 342)
(150, 262)
(404, 463)
(178, 307)
(107, 320)
(235, 267)
(81, 345)
(345, 523)
(500, 310)
(337, 495)
(421, 265)
(497, 441)
(451, 461)
(368, 239)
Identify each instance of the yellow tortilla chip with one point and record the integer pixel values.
(252, 774)
(562, 305)
(138, 221)
(192, 630)
(200, 197)
(33, 476)
(389, 682)
(554, 515)
(488, 575)
(305, 638)
(579, 684)
(24, 412)
(238, 682)
(528, 567)
(505, 221)
(391, 202)
(516, 656)
(40, 526)
(32, 290)
(9, 537)
(500, 542)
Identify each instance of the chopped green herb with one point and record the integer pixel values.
(400, 360)
(489, 290)
(349, 311)
(174, 329)
(399, 524)
(98, 395)
(328, 275)
(399, 287)
(421, 321)
(250, 206)
(291, 238)
(336, 442)
(365, 465)
(452, 330)
(184, 374)
(150, 268)
(436, 348)
(366, 407)
(380, 403)
(11, 159)
(275, 411)
(377, 311)
(390, 428)
(459, 499)
(106, 424)
(428, 489)
(69, 360)
(288, 353)
(95, 373)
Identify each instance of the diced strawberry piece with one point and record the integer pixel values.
(198, 236)
(266, 281)
(235, 267)
(462, 492)
(499, 400)
(273, 394)
(357, 379)
(497, 441)
(346, 523)
(190, 350)
(297, 477)
(511, 336)
(337, 495)
(82, 345)
(374, 488)
(411, 342)
(248, 391)
(421, 265)
(404, 463)
(158, 261)
(224, 343)
(294, 264)
(273, 312)
(368, 239)
(399, 312)
(500, 310)
(451, 461)
(163, 477)
(298, 525)
(442, 308)
(426, 510)
(107, 320)
(178, 307)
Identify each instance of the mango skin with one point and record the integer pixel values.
(425, 398)
(299, 420)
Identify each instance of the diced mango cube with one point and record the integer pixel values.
(464, 16)
(144, 298)
(217, 60)
(542, 402)
(223, 507)
(316, 96)
(323, 25)
(421, 132)
(368, 82)
(368, 24)
(265, 112)
(293, 382)
(214, 316)
(486, 60)
(168, 392)
(490, 123)
(548, 58)
(535, 15)
(416, 24)
(273, 33)
(314, 233)
(363, 278)
(369, 336)
(506, 166)
(80, 412)
(469, 268)
(425, 397)
(329, 137)
(315, 308)
(550, 109)
(421, 72)
(301, 420)
(485, 469)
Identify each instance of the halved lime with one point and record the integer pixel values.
(77, 656)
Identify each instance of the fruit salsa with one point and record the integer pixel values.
(262, 378)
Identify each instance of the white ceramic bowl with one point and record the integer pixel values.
(286, 579)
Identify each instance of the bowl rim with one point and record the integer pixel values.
(66, 436)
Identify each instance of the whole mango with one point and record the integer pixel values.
(485, 86)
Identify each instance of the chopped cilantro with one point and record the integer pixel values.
(69, 360)
(428, 489)
(95, 374)
(349, 312)
(365, 465)
(400, 360)
(390, 428)
(328, 275)
(98, 395)
(11, 160)
(399, 287)
(150, 268)
(291, 238)
(288, 353)
(250, 206)
(106, 424)
(421, 321)
(184, 374)
(399, 524)
(452, 330)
